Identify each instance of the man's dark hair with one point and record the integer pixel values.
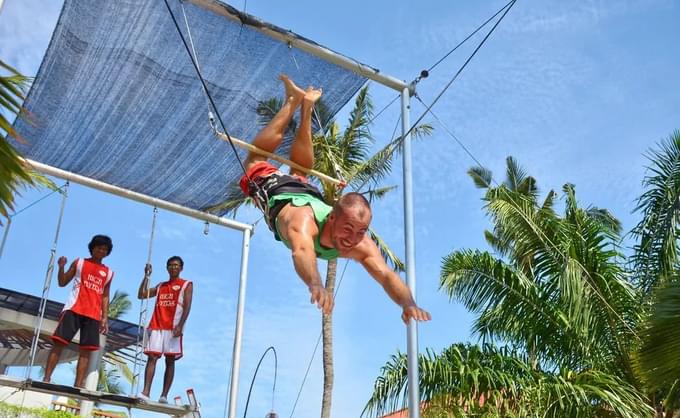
(175, 258)
(353, 200)
(100, 240)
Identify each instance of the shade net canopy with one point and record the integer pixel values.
(118, 100)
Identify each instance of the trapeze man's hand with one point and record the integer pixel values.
(413, 311)
(322, 298)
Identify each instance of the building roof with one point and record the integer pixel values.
(17, 321)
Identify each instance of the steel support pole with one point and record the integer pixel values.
(238, 332)
(412, 330)
(5, 233)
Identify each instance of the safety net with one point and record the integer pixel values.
(117, 99)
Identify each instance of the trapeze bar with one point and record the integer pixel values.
(96, 396)
(119, 191)
(250, 147)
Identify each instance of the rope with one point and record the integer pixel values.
(429, 108)
(425, 73)
(383, 109)
(252, 382)
(194, 54)
(46, 285)
(143, 311)
(455, 138)
(467, 61)
(318, 340)
(207, 92)
(12, 216)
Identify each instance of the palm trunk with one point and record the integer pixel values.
(327, 329)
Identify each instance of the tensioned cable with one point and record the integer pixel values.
(35, 202)
(12, 216)
(207, 92)
(383, 109)
(468, 37)
(460, 70)
(467, 61)
(455, 138)
(193, 50)
(316, 347)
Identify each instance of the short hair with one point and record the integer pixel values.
(175, 258)
(100, 240)
(353, 200)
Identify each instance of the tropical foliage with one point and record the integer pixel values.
(14, 173)
(574, 328)
(113, 367)
(7, 410)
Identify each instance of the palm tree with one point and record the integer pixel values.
(555, 290)
(14, 173)
(467, 380)
(655, 267)
(345, 153)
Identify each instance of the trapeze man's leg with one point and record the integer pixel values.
(302, 149)
(270, 137)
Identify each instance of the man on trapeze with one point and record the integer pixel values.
(300, 218)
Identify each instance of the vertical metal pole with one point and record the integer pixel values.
(4, 234)
(92, 376)
(238, 332)
(46, 285)
(412, 333)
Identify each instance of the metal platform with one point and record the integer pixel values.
(96, 396)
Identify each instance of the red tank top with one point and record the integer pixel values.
(88, 287)
(169, 304)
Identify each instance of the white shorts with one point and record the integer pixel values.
(161, 341)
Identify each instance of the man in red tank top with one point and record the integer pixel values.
(164, 333)
(87, 307)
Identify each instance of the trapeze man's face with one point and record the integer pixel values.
(349, 228)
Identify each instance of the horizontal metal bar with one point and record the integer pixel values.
(252, 148)
(298, 42)
(139, 197)
(89, 395)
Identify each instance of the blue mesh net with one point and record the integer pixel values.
(117, 99)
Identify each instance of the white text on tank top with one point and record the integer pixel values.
(169, 304)
(89, 283)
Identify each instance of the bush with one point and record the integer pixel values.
(14, 411)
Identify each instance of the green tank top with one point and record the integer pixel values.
(321, 211)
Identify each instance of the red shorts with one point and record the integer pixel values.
(259, 170)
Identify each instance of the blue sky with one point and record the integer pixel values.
(576, 91)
